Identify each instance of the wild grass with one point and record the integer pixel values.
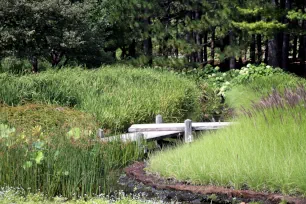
(263, 151)
(51, 118)
(71, 164)
(242, 95)
(116, 96)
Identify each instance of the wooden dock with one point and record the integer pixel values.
(160, 130)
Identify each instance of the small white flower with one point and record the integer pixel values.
(268, 66)
(248, 65)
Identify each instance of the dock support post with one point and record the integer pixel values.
(139, 142)
(100, 133)
(159, 119)
(188, 131)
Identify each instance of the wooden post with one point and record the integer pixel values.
(188, 131)
(100, 133)
(139, 138)
(159, 119)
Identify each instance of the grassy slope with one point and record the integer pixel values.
(117, 96)
(264, 152)
(42, 155)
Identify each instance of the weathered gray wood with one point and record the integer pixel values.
(188, 131)
(100, 133)
(177, 126)
(130, 137)
(159, 119)
(139, 138)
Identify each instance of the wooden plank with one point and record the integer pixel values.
(177, 126)
(146, 135)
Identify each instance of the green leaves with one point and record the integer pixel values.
(260, 27)
(5, 131)
(296, 15)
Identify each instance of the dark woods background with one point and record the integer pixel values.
(177, 34)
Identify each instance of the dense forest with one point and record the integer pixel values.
(176, 33)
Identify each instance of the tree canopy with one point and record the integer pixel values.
(156, 32)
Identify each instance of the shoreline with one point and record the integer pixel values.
(136, 172)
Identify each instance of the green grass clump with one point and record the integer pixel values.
(243, 94)
(116, 96)
(263, 151)
(55, 150)
(51, 118)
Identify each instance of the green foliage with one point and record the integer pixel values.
(34, 28)
(13, 65)
(260, 27)
(116, 96)
(49, 117)
(250, 11)
(296, 15)
(18, 196)
(243, 93)
(70, 164)
(263, 150)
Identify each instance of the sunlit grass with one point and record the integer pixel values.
(264, 151)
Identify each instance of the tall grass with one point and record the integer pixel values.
(71, 164)
(264, 151)
(243, 94)
(117, 96)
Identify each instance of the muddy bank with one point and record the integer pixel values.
(170, 190)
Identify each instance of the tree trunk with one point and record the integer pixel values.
(56, 57)
(147, 43)
(272, 52)
(205, 48)
(301, 48)
(273, 43)
(34, 63)
(232, 62)
(294, 48)
(259, 49)
(132, 49)
(148, 49)
(266, 52)
(285, 52)
(253, 49)
(200, 51)
(212, 46)
(304, 50)
(286, 39)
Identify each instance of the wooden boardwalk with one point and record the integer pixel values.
(159, 130)
(177, 126)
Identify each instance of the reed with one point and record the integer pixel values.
(71, 164)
